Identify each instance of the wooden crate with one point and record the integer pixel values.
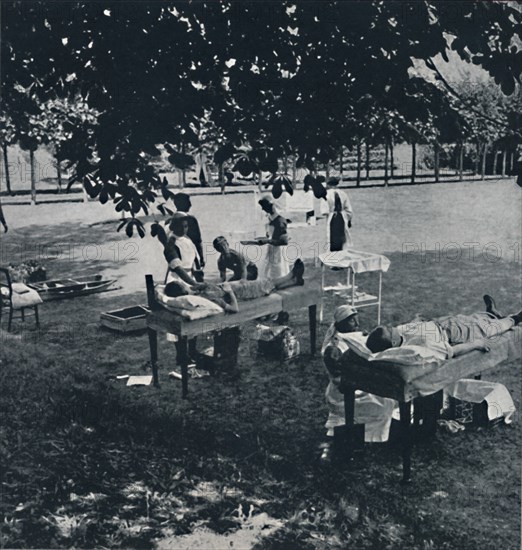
(128, 319)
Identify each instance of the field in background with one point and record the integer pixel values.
(88, 462)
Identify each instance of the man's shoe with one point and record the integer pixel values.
(517, 318)
(491, 307)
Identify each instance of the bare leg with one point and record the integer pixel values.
(294, 278)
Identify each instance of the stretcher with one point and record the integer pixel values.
(160, 319)
(412, 385)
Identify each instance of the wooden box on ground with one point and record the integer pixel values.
(128, 319)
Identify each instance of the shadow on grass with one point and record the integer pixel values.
(127, 466)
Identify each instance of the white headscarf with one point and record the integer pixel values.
(340, 314)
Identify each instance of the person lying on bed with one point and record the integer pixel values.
(446, 337)
(226, 295)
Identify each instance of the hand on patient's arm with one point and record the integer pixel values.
(184, 276)
(461, 349)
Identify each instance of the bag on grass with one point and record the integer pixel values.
(277, 342)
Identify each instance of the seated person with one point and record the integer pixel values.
(226, 295)
(446, 337)
(241, 267)
(373, 411)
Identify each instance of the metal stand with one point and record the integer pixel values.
(367, 301)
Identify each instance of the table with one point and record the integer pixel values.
(354, 261)
(161, 319)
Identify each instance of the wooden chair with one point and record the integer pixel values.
(13, 300)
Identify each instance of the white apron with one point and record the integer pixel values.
(275, 262)
(346, 213)
(371, 410)
(188, 254)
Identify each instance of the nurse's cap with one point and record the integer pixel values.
(265, 200)
(343, 312)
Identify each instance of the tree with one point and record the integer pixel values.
(7, 137)
(154, 69)
(60, 121)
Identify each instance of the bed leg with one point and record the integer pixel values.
(350, 437)
(478, 377)
(153, 345)
(405, 412)
(183, 359)
(312, 319)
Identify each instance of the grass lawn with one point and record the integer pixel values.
(87, 462)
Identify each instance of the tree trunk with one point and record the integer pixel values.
(327, 170)
(504, 155)
(2, 218)
(341, 163)
(413, 162)
(33, 177)
(495, 162)
(358, 182)
(386, 154)
(294, 169)
(461, 162)
(285, 163)
(476, 160)
(392, 168)
(511, 161)
(436, 162)
(484, 156)
(59, 174)
(7, 175)
(367, 162)
(183, 171)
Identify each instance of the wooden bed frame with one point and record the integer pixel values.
(424, 391)
(161, 319)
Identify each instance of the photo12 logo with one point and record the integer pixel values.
(454, 252)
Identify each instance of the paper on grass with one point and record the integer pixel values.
(139, 380)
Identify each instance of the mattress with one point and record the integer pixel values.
(405, 382)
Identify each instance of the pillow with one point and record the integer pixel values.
(189, 307)
(408, 356)
(357, 342)
(23, 296)
(20, 288)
